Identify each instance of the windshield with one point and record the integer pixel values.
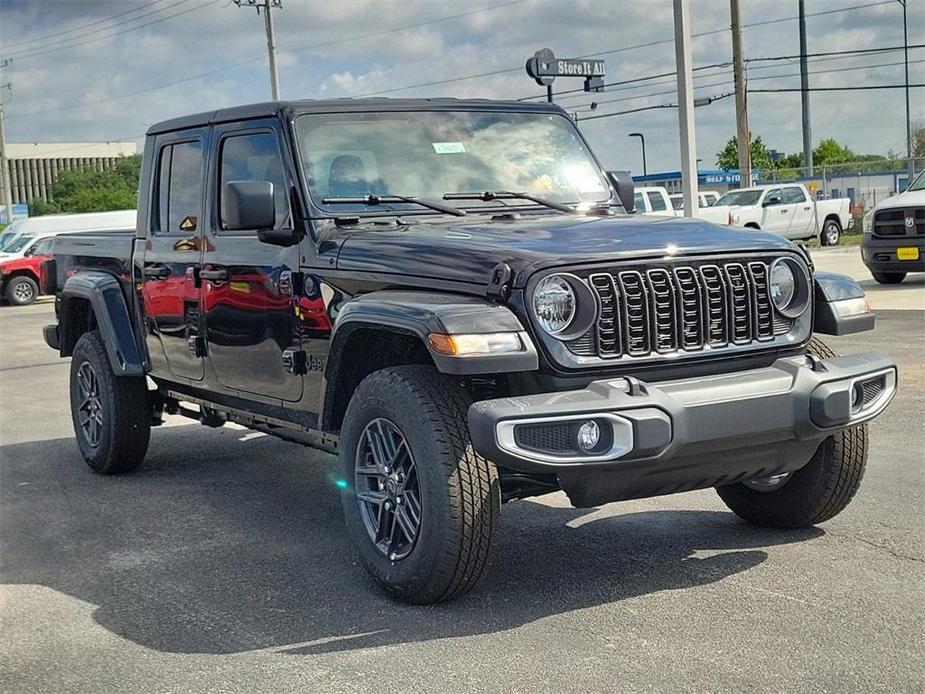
(10, 234)
(918, 183)
(434, 153)
(15, 245)
(740, 197)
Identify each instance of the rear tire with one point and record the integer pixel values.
(889, 277)
(21, 290)
(456, 491)
(816, 492)
(831, 233)
(111, 414)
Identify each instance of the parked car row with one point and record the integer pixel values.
(27, 245)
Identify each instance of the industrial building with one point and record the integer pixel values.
(34, 166)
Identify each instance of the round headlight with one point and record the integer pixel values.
(789, 287)
(783, 284)
(554, 304)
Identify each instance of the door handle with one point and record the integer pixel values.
(157, 272)
(219, 275)
(807, 208)
(784, 211)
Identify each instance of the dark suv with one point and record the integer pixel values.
(454, 298)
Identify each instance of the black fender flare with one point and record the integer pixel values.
(104, 292)
(420, 313)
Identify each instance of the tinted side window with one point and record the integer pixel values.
(255, 157)
(773, 197)
(639, 204)
(657, 202)
(179, 187)
(43, 247)
(792, 195)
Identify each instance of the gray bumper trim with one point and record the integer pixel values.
(797, 400)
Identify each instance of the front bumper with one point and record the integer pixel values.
(686, 434)
(880, 253)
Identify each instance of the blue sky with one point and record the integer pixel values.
(106, 69)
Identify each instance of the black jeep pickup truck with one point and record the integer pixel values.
(454, 297)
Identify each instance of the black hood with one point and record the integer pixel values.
(468, 252)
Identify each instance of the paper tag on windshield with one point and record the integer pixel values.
(448, 147)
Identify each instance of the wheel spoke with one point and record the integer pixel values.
(407, 525)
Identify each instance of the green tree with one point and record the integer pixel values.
(728, 157)
(89, 190)
(829, 152)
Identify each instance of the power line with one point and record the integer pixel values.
(862, 51)
(711, 33)
(384, 32)
(84, 26)
(835, 89)
(123, 31)
(256, 59)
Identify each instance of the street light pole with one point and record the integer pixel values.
(642, 139)
(910, 165)
(683, 61)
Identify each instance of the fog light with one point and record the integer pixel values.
(589, 435)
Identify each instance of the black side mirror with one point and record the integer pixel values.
(625, 187)
(771, 202)
(248, 205)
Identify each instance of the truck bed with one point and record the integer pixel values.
(109, 251)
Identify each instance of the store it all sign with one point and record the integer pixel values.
(544, 67)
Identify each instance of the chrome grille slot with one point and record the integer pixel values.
(740, 309)
(690, 308)
(608, 323)
(762, 311)
(635, 316)
(714, 295)
(662, 310)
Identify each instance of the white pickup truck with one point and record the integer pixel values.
(790, 211)
(654, 200)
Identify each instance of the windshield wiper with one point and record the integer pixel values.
(386, 199)
(488, 196)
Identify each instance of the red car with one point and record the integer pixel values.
(21, 278)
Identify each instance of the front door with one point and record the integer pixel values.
(775, 215)
(249, 287)
(172, 254)
(802, 220)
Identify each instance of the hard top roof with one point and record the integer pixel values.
(274, 108)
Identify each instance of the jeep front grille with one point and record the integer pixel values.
(681, 308)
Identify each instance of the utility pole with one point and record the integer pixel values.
(742, 135)
(4, 163)
(267, 5)
(804, 95)
(685, 70)
(910, 165)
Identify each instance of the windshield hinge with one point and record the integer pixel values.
(499, 287)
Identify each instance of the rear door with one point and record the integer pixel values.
(248, 287)
(801, 218)
(173, 250)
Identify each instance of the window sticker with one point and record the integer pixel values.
(448, 147)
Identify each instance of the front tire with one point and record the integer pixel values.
(111, 414)
(813, 494)
(889, 277)
(831, 233)
(420, 505)
(21, 290)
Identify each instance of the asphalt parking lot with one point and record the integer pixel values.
(222, 565)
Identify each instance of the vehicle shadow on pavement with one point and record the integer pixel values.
(219, 545)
